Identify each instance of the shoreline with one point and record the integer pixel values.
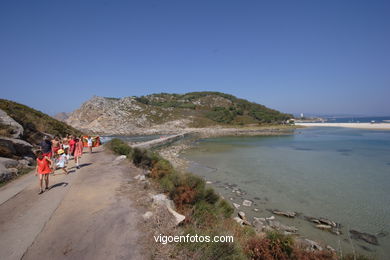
(371, 126)
(286, 222)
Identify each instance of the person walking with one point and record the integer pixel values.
(46, 147)
(55, 145)
(90, 143)
(72, 143)
(62, 161)
(43, 169)
(65, 146)
(78, 151)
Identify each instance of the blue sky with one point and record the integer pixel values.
(310, 56)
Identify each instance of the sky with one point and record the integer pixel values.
(315, 56)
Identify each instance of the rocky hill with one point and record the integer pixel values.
(21, 129)
(164, 112)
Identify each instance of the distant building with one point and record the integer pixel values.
(302, 115)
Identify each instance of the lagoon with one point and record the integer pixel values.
(338, 173)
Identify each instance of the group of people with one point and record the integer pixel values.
(55, 154)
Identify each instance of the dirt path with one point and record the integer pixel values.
(88, 214)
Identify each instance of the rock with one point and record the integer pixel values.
(270, 218)
(23, 163)
(281, 227)
(9, 163)
(142, 178)
(311, 245)
(208, 182)
(247, 203)
(239, 220)
(331, 248)
(289, 214)
(241, 214)
(382, 234)
(162, 200)
(120, 158)
(11, 147)
(323, 221)
(256, 210)
(147, 215)
(371, 239)
(7, 173)
(328, 222)
(16, 129)
(236, 205)
(324, 227)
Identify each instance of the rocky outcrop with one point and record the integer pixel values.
(16, 130)
(11, 148)
(269, 224)
(167, 113)
(9, 168)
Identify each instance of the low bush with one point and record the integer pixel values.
(120, 147)
(161, 168)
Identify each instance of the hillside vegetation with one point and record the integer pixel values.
(34, 122)
(159, 112)
(218, 107)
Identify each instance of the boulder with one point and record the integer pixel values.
(7, 173)
(16, 129)
(9, 163)
(324, 227)
(10, 147)
(120, 158)
(241, 214)
(310, 245)
(162, 200)
(236, 205)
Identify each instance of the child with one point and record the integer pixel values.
(78, 151)
(90, 143)
(61, 164)
(43, 169)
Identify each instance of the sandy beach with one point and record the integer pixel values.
(378, 126)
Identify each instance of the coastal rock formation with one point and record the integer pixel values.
(371, 239)
(14, 129)
(168, 113)
(269, 224)
(11, 147)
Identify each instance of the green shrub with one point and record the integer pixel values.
(210, 196)
(161, 168)
(142, 158)
(225, 208)
(284, 242)
(120, 147)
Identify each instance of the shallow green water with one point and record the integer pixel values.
(342, 174)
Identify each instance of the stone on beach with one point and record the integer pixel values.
(247, 203)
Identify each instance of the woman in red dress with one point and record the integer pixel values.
(43, 169)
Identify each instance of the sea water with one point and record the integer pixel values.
(337, 173)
